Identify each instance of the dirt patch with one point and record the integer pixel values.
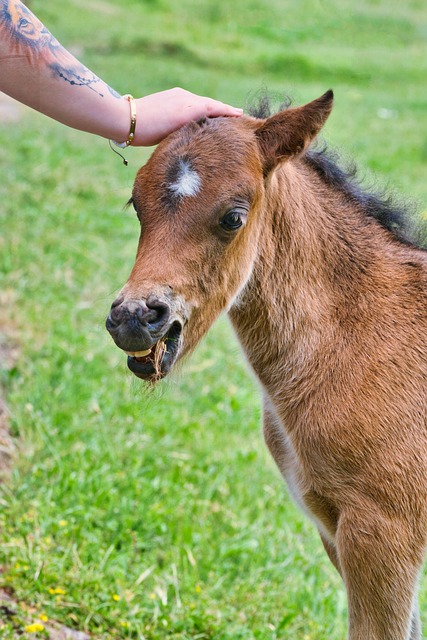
(7, 445)
(8, 356)
(9, 352)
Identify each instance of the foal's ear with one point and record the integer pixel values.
(290, 132)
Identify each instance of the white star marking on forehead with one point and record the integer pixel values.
(188, 181)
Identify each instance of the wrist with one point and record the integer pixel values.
(117, 120)
(132, 115)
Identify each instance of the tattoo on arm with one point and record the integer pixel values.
(29, 37)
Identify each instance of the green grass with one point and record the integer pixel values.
(169, 500)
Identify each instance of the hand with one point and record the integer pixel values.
(162, 113)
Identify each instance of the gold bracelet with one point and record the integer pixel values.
(131, 134)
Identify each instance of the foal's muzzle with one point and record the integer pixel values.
(149, 331)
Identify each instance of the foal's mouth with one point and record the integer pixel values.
(155, 363)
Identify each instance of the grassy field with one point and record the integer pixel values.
(161, 516)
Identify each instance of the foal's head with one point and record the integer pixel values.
(200, 199)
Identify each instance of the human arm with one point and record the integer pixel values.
(38, 71)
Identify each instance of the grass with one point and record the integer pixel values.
(161, 515)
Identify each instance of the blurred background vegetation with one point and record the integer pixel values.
(161, 516)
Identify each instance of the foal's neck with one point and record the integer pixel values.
(317, 279)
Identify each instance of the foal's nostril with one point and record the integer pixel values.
(115, 316)
(160, 312)
(117, 302)
(110, 324)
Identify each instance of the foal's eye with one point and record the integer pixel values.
(233, 220)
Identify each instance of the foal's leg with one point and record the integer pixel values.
(380, 567)
(280, 449)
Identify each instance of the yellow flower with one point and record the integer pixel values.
(58, 591)
(152, 596)
(33, 628)
(116, 597)
(124, 623)
(198, 588)
(43, 617)
(62, 523)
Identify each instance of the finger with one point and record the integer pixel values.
(215, 108)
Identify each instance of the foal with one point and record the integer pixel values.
(330, 307)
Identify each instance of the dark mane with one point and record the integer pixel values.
(397, 217)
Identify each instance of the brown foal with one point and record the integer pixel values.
(329, 302)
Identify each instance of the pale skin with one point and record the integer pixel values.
(39, 72)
